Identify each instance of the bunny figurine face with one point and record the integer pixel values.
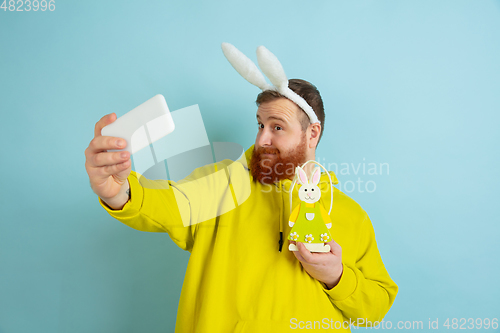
(309, 191)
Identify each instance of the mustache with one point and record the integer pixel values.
(267, 150)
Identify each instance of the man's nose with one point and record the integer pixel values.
(264, 138)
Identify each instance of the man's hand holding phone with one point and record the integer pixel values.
(108, 171)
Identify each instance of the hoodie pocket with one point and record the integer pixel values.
(261, 326)
(240, 327)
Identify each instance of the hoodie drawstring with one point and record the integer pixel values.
(280, 242)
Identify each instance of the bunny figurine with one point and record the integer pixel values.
(309, 220)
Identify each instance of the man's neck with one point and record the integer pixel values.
(310, 166)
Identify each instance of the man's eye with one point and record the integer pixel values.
(279, 128)
(260, 126)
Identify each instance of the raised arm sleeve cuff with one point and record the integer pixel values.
(133, 206)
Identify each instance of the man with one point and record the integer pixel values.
(237, 280)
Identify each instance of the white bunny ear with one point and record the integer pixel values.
(273, 69)
(271, 66)
(316, 176)
(244, 66)
(302, 176)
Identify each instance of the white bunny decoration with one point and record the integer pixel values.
(309, 220)
(271, 66)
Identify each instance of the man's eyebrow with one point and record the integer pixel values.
(274, 117)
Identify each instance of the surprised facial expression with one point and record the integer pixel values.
(280, 144)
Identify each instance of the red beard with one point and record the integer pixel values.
(270, 170)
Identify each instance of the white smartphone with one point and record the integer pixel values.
(143, 125)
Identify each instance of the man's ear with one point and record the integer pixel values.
(314, 131)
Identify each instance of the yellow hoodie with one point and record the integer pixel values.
(236, 279)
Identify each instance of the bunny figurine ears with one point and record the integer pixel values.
(271, 66)
(301, 176)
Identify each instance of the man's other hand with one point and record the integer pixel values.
(324, 267)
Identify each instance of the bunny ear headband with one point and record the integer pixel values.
(271, 66)
(312, 176)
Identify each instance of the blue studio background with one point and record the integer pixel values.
(411, 87)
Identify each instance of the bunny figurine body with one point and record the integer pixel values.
(309, 220)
